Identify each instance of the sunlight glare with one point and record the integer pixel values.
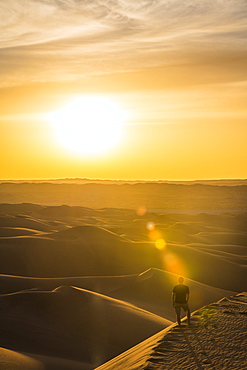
(89, 125)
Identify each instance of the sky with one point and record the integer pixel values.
(174, 73)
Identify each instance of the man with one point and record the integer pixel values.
(180, 297)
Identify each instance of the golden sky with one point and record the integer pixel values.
(175, 69)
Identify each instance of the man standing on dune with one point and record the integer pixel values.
(180, 297)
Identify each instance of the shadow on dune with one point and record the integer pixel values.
(73, 323)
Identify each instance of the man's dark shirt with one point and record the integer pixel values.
(180, 292)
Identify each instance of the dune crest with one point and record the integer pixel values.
(216, 339)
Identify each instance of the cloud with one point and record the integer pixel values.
(65, 39)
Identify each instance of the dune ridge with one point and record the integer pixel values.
(216, 339)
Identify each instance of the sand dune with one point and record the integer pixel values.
(77, 324)
(78, 286)
(65, 211)
(120, 244)
(152, 291)
(67, 250)
(16, 231)
(78, 255)
(24, 222)
(99, 284)
(89, 234)
(19, 208)
(72, 323)
(84, 250)
(13, 360)
(216, 339)
(208, 268)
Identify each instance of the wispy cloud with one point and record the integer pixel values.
(63, 39)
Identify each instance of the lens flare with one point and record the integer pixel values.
(174, 264)
(141, 211)
(170, 259)
(160, 244)
(150, 225)
(154, 235)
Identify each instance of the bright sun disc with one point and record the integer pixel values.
(89, 125)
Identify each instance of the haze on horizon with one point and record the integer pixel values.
(176, 70)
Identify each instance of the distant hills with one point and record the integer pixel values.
(197, 195)
(80, 180)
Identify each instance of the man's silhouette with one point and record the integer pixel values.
(180, 296)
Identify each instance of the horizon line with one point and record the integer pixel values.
(122, 179)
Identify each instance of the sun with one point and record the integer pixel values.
(88, 125)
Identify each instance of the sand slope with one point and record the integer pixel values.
(17, 361)
(216, 339)
(150, 290)
(12, 360)
(73, 323)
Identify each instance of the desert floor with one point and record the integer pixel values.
(80, 286)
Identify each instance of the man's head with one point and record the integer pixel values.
(180, 280)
